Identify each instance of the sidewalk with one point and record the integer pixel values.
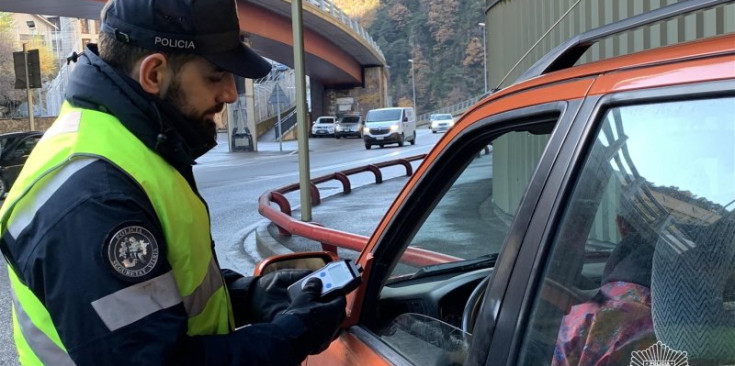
(358, 212)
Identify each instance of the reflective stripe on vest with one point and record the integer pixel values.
(78, 135)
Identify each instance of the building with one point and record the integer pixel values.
(62, 36)
(28, 27)
(519, 32)
(73, 34)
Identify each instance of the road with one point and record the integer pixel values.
(231, 184)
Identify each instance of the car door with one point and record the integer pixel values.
(629, 257)
(410, 126)
(461, 218)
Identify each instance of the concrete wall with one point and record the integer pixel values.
(374, 94)
(318, 108)
(24, 124)
(514, 26)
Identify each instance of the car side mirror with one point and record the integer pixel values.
(300, 260)
(405, 119)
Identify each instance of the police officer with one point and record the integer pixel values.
(106, 236)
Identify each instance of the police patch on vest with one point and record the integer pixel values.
(133, 252)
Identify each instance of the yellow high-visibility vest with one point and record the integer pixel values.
(82, 134)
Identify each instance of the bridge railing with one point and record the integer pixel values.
(263, 88)
(331, 9)
(455, 109)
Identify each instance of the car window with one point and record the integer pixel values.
(350, 119)
(441, 116)
(4, 141)
(473, 217)
(28, 144)
(382, 115)
(643, 262)
(423, 303)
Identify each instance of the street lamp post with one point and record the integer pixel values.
(484, 55)
(413, 87)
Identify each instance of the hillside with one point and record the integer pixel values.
(441, 36)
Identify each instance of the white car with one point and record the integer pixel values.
(323, 126)
(441, 122)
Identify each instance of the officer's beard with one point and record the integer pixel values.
(199, 133)
(175, 96)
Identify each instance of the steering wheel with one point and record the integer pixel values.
(472, 306)
(560, 296)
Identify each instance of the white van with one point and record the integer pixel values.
(389, 126)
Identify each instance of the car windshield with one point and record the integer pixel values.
(468, 225)
(441, 116)
(351, 119)
(5, 141)
(383, 115)
(326, 120)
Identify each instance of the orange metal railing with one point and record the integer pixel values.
(331, 239)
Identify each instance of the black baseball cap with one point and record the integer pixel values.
(208, 28)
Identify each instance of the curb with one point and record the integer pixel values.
(261, 240)
(266, 245)
(258, 243)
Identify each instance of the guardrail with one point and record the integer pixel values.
(454, 110)
(329, 238)
(328, 7)
(287, 123)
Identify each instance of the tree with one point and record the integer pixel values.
(444, 40)
(10, 98)
(49, 67)
(361, 10)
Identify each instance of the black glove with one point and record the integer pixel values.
(268, 295)
(259, 299)
(322, 319)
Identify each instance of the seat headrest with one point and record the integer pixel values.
(691, 290)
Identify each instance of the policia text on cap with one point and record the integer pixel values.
(106, 237)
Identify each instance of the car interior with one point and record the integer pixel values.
(644, 261)
(426, 310)
(629, 249)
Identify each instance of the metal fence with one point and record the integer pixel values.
(263, 89)
(56, 89)
(454, 110)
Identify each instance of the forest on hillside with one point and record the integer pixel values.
(442, 37)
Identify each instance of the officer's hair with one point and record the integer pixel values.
(123, 56)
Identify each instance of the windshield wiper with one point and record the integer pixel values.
(486, 261)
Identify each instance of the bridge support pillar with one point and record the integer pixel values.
(250, 107)
(373, 94)
(241, 118)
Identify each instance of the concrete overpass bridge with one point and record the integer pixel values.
(341, 59)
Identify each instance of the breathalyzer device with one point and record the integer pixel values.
(340, 276)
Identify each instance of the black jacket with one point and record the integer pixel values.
(60, 255)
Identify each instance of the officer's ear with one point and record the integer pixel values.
(153, 74)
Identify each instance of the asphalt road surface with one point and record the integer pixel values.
(231, 184)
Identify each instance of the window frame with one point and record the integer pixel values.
(534, 253)
(401, 227)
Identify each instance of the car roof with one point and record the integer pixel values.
(21, 133)
(666, 58)
(389, 108)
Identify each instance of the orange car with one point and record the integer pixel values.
(584, 216)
